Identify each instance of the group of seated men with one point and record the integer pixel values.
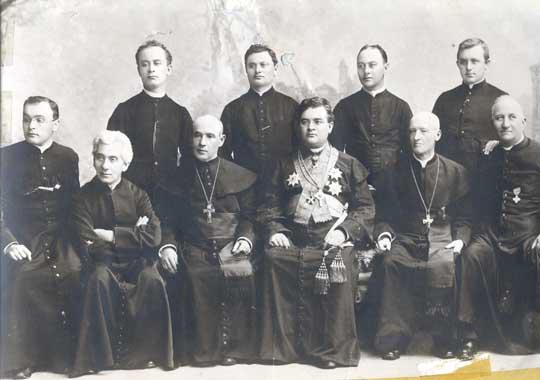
(240, 240)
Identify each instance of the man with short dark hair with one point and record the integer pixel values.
(317, 208)
(499, 297)
(40, 272)
(157, 126)
(259, 124)
(371, 125)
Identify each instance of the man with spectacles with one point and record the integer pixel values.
(39, 273)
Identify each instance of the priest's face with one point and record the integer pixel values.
(260, 70)
(153, 68)
(472, 65)
(422, 136)
(508, 120)
(371, 69)
(208, 137)
(109, 163)
(315, 127)
(38, 123)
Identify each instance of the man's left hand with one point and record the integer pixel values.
(335, 238)
(456, 246)
(241, 246)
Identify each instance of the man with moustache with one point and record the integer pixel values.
(423, 220)
(207, 242)
(40, 274)
(125, 317)
(317, 208)
(371, 125)
(158, 127)
(464, 111)
(259, 124)
(499, 297)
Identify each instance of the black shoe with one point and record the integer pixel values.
(468, 350)
(150, 364)
(445, 353)
(228, 361)
(391, 355)
(328, 364)
(23, 374)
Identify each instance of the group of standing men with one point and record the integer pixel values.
(217, 241)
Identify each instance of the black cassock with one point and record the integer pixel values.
(37, 296)
(125, 317)
(214, 308)
(299, 323)
(414, 281)
(499, 299)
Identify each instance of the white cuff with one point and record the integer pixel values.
(385, 235)
(166, 246)
(9, 245)
(247, 241)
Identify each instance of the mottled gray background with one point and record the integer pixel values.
(80, 53)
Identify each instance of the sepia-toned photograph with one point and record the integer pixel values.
(244, 189)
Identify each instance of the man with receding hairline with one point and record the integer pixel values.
(499, 298)
(208, 237)
(422, 222)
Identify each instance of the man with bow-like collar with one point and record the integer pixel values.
(317, 208)
(423, 220)
(158, 127)
(208, 237)
(40, 273)
(499, 299)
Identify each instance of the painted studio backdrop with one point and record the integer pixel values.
(81, 52)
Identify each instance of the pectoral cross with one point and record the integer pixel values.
(208, 210)
(427, 220)
(516, 192)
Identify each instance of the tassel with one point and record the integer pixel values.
(338, 272)
(322, 282)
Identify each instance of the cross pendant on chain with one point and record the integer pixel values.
(427, 220)
(208, 210)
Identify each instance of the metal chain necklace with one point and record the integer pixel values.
(209, 209)
(428, 219)
(318, 195)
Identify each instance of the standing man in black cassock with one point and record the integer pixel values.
(259, 124)
(423, 220)
(371, 125)
(465, 111)
(499, 298)
(207, 242)
(125, 318)
(40, 274)
(158, 127)
(317, 208)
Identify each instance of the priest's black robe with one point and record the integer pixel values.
(160, 132)
(38, 296)
(499, 299)
(125, 319)
(214, 315)
(299, 325)
(416, 278)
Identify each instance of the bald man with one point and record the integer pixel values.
(422, 222)
(500, 272)
(207, 241)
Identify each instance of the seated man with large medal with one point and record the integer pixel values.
(317, 208)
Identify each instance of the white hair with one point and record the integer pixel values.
(503, 98)
(209, 119)
(427, 118)
(110, 137)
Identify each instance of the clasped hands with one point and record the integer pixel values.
(385, 244)
(334, 238)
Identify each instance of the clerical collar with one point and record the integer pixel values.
(42, 148)
(262, 93)
(210, 163)
(423, 163)
(475, 85)
(113, 186)
(374, 93)
(306, 152)
(507, 148)
(155, 95)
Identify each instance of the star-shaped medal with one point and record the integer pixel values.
(334, 174)
(334, 188)
(293, 179)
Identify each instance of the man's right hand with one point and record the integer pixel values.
(279, 240)
(384, 244)
(19, 252)
(169, 260)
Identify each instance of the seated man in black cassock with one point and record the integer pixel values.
(207, 240)
(499, 297)
(125, 317)
(39, 273)
(319, 205)
(422, 222)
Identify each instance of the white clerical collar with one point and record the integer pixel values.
(519, 142)
(113, 186)
(476, 83)
(263, 91)
(424, 162)
(43, 148)
(154, 94)
(374, 92)
(318, 150)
